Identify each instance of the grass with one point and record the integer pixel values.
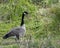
(42, 29)
(35, 43)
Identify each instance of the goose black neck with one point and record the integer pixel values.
(22, 21)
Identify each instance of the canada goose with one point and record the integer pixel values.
(18, 31)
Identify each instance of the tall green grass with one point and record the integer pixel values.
(42, 30)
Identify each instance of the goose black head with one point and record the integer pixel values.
(25, 13)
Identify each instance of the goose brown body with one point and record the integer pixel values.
(18, 31)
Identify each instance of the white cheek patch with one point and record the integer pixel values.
(24, 13)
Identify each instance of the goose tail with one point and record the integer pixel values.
(6, 36)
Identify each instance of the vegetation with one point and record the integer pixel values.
(43, 24)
